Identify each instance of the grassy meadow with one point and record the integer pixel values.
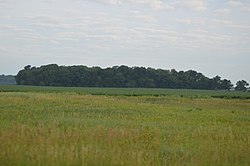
(110, 126)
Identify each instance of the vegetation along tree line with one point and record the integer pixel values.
(7, 79)
(120, 76)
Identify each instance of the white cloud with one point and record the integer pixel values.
(145, 18)
(191, 21)
(46, 21)
(154, 4)
(239, 4)
(222, 12)
(230, 24)
(49, 1)
(195, 5)
(234, 3)
(3, 50)
(7, 27)
(4, 2)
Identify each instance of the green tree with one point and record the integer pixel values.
(226, 84)
(118, 76)
(241, 85)
(27, 67)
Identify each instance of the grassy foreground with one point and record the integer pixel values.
(74, 127)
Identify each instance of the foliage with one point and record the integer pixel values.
(67, 126)
(241, 85)
(7, 79)
(117, 76)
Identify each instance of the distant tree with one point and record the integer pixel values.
(215, 82)
(117, 76)
(7, 79)
(226, 84)
(27, 67)
(241, 85)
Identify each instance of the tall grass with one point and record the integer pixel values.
(129, 91)
(74, 129)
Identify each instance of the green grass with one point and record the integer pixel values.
(129, 91)
(96, 126)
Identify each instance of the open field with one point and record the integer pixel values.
(129, 91)
(97, 126)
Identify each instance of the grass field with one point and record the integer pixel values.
(97, 126)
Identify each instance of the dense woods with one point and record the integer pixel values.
(117, 76)
(7, 79)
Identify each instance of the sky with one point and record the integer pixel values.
(209, 36)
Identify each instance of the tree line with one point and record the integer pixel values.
(118, 76)
(7, 79)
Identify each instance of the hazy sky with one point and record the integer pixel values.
(209, 36)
